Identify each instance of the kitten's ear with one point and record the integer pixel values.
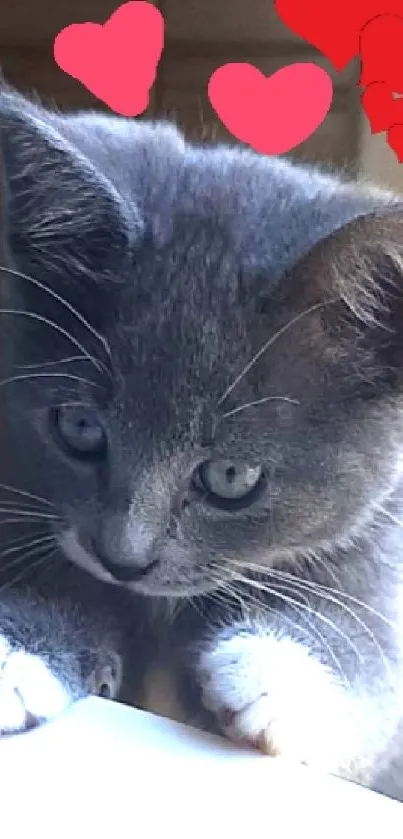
(52, 196)
(358, 271)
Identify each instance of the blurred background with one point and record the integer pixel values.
(200, 36)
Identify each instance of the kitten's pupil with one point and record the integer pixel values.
(230, 474)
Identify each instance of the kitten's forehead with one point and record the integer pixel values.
(180, 331)
(270, 210)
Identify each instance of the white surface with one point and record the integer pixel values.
(103, 770)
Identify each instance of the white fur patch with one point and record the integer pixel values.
(71, 546)
(272, 692)
(29, 692)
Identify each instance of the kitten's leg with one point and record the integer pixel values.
(268, 687)
(50, 655)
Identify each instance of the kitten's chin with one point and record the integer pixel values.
(170, 591)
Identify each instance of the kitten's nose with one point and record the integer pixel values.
(125, 550)
(125, 573)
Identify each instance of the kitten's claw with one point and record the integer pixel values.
(272, 694)
(106, 680)
(29, 692)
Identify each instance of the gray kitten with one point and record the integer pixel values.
(203, 423)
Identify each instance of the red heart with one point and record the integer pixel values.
(275, 114)
(381, 50)
(395, 140)
(381, 108)
(118, 61)
(334, 27)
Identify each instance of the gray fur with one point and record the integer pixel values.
(187, 261)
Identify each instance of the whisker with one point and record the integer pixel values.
(41, 540)
(73, 403)
(42, 560)
(389, 515)
(328, 593)
(20, 275)
(315, 559)
(29, 376)
(315, 630)
(275, 593)
(310, 630)
(25, 555)
(271, 341)
(258, 402)
(12, 504)
(192, 601)
(300, 583)
(27, 521)
(223, 588)
(22, 492)
(41, 319)
(319, 589)
(44, 567)
(67, 360)
(30, 514)
(21, 539)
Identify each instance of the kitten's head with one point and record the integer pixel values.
(202, 348)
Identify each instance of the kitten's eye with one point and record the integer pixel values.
(228, 481)
(79, 428)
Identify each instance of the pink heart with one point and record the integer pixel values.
(275, 114)
(118, 61)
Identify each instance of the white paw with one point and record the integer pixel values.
(29, 693)
(270, 692)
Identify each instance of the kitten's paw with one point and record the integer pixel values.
(271, 693)
(29, 692)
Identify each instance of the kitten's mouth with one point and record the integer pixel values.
(127, 573)
(153, 580)
(138, 580)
